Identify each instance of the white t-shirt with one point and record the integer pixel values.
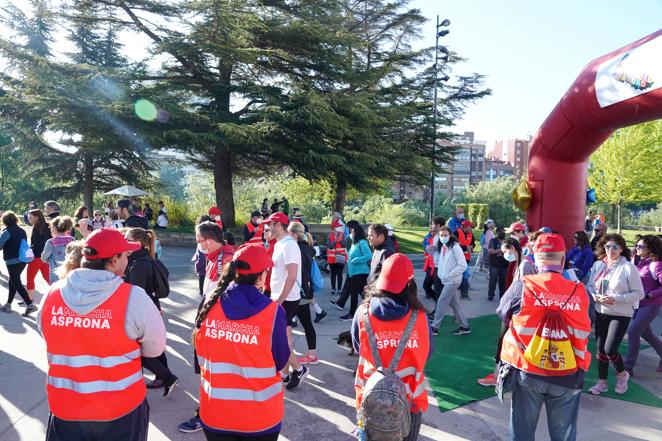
(162, 221)
(286, 251)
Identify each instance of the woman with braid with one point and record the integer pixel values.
(241, 342)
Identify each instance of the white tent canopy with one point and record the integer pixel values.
(126, 190)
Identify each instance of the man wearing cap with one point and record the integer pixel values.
(128, 211)
(215, 214)
(467, 242)
(254, 230)
(286, 286)
(557, 384)
(96, 328)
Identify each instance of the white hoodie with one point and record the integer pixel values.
(623, 283)
(450, 262)
(84, 290)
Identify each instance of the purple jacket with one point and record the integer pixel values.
(652, 288)
(200, 262)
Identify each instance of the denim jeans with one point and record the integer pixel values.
(561, 403)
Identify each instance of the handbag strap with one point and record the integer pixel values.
(372, 340)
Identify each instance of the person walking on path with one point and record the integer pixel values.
(649, 249)
(428, 250)
(285, 287)
(391, 308)
(467, 243)
(581, 256)
(382, 249)
(536, 378)
(254, 230)
(40, 234)
(10, 241)
(200, 261)
(55, 248)
(141, 271)
(303, 313)
(450, 263)
(616, 287)
(336, 255)
(89, 319)
(498, 265)
(487, 236)
(241, 391)
(357, 270)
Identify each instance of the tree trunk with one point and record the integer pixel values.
(618, 217)
(223, 185)
(88, 182)
(341, 195)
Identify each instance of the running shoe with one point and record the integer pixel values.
(599, 387)
(337, 305)
(319, 317)
(191, 426)
(346, 318)
(170, 386)
(435, 331)
(286, 380)
(6, 308)
(462, 330)
(489, 380)
(622, 382)
(297, 378)
(309, 359)
(157, 383)
(29, 309)
(293, 323)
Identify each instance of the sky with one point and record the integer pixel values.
(531, 51)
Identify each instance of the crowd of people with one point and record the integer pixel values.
(102, 317)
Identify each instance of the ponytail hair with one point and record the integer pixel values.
(228, 276)
(147, 239)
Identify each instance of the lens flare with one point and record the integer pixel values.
(145, 110)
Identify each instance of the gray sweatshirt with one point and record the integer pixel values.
(84, 290)
(621, 280)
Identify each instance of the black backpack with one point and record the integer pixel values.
(161, 284)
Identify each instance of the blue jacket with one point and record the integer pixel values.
(359, 258)
(10, 242)
(385, 308)
(581, 260)
(454, 224)
(424, 244)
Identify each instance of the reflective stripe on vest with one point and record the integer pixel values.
(412, 363)
(91, 360)
(238, 377)
(553, 290)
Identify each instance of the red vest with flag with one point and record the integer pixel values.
(412, 363)
(94, 368)
(552, 291)
(240, 389)
(428, 264)
(336, 249)
(465, 241)
(258, 232)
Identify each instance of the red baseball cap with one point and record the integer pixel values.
(396, 272)
(467, 223)
(215, 211)
(517, 226)
(108, 242)
(336, 224)
(277, 217)
(255, 256)
(549, 243)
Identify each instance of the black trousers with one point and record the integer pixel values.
(609, 332)
(353, 289)
(201, 283)
(336, 275)
(211, 436)
(428, 284)
(130, 427)
(158, 366)
(497, 275)
(303, 313)
(15, 284)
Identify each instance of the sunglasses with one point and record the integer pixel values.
(612, 247)
(640, 246)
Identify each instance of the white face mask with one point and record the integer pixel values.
(510, 257)
(202, 250)
(444, 239)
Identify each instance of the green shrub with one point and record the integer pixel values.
(381, 209)
(652, 218)
(476, 213)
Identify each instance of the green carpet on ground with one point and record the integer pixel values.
(459, 360)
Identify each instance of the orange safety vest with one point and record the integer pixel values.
(465, 241)
(94, 368)
(332, 253)
(429, 259)
(240, 389)
(258, 232)
(412, 363)
(553, 290)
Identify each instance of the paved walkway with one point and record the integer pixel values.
(320, 409)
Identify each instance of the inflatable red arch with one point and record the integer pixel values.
(621, 88)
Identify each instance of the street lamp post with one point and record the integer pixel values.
(438, 33)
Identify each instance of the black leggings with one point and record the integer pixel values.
(353, 289)
(158, 366)
(303, 312)
(609, 332)
(212, 436)
(201, 283)
(428, 283)
(336, 275)
(15, 284)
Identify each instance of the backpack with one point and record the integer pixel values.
(25, 253)
(316, 279)
(161, 284)
(385, 409)
(550, 349)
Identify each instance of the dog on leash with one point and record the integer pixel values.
(345, 339)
